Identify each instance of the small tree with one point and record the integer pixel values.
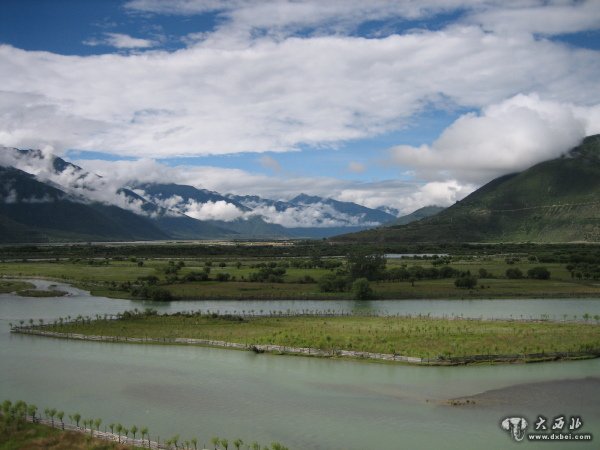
(238, 443)
(362, 289)
(76, 418)
(215, 441)
(194, 442)
(225, 443)
(52, 414)
(144, 432)
(60, 415)
(134, 430)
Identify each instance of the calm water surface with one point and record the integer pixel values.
(303, 402)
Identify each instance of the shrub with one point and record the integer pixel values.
(268, 274)
(514, 273)
(152, 293)
(466, 281)
(221, 276)
(150, 279)
(362, 289)
(196, 276)
(539, 273)
(333, 282)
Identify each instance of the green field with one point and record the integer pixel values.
(117, 277)
(416, 336)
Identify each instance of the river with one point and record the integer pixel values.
(303, 402)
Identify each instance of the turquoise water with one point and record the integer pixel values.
(303, 402)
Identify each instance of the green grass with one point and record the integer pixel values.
(7, 286)
(28, 436)
(422, 337)
(107, 279)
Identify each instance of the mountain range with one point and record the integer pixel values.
(553, 201)
(44, 198)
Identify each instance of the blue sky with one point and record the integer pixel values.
(382, 102)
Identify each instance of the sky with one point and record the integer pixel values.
(396, 103)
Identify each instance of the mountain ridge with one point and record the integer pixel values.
(552, 201)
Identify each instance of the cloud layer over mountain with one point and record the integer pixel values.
(283, 75)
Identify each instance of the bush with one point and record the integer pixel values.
(268, 274)
(539, 273)
(514, 273)
(195, 276)
(466, 281)
(333, 282)
(221, 276)
(362, 289)
(152, 293)
(150, 279)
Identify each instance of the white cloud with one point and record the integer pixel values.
(282, 17)
(547, 18)
(268, 94)
(506, 137)
(82, 185)
(219, 210)
(318, 215)
(121, 41)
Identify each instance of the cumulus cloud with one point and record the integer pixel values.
(505, 137)
(120, 41)
(267, 94)
(219, 210)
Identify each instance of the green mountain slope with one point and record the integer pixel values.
(554, 201)
(421, 213)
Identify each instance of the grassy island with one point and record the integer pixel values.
(7, 286)
(420, 337)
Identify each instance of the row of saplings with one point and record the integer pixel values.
(15, 415)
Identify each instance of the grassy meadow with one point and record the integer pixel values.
(115, 277)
